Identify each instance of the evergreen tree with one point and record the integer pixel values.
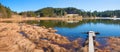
(4, 12)
(28, 14)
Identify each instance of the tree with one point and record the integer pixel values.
(46, 12)
(71, 10)
(95, 13)
(59, 11)
(5, 12)
(51, 12)
(28, 14)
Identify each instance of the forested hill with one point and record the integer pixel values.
(5, 12)
(49, 11)
(53, 12)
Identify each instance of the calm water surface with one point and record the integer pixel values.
(106, 28)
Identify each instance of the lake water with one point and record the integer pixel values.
(106, 28)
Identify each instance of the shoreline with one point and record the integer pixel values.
(33, 39)
(34, 18)
(20, 19)
(37, 38)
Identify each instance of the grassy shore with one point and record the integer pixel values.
(41, 18)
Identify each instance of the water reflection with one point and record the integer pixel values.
(74, 30)
(49, 23)
(72, 23)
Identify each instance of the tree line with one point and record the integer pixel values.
(5, 12)
(53, 12)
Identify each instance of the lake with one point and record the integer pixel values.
(74, 30)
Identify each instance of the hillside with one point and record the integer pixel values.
(5, 12)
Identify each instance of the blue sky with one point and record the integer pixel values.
(88, 5)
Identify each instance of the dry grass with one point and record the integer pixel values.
(18, 18)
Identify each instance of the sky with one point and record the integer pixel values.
(87, 5)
